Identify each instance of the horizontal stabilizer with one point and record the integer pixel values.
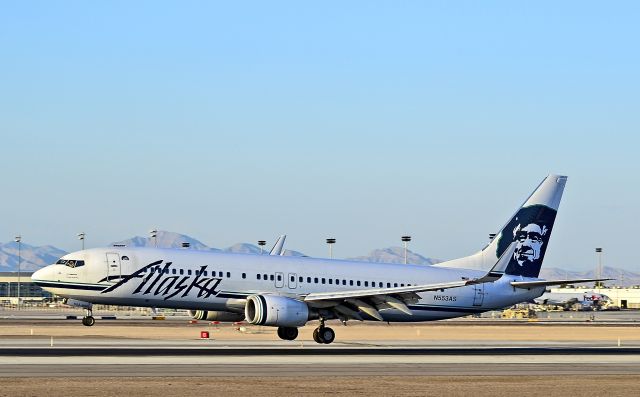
(544, 283)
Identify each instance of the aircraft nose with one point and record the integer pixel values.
(42, 274)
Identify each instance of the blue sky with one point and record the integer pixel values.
(361, 121)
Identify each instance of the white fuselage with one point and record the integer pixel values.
(204, 280)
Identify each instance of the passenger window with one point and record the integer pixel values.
(344, 282)
(337, 282)
(323, 280)
(330, 281)
(402, 285)
(279, 277)
(181, 272)
(173, 271)
(205, 273)
(366, 283)
(300, 279)
(309, 280)
(244, 275)
(228, 274)
(271, 277)
(358, 283)
(350, 282)
(293, 278)
(165, 271)
(388, 285)
(315, 280)
(265, 277)
(220, 274)
(380, 284)
(258, 276)
(395, 284)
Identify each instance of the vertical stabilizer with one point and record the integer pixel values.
(530, 228)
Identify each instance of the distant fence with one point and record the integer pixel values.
(8, 306)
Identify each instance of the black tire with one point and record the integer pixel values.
(88, 321)
(316, 335)
(288, 333)
(327, 335)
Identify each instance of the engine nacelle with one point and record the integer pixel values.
(216, 316)
(77, 303)
(276, 310)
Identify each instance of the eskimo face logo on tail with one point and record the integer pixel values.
(530, 229)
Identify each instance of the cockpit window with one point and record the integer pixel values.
(70, 262)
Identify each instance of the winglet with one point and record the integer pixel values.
(277, 247)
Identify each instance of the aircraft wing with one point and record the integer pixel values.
(349, 304)
(544, 283)
(319, 296)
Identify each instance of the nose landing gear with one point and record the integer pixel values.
(323, 335)
(88, 319)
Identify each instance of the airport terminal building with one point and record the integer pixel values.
(11, 281)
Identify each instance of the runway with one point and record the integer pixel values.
(143, 348)
(146, 358)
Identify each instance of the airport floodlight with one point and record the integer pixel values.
(18, 239)
(405, 241)
(492, 236)
(262, 243)
(599, 267)
(330, 242)
(154, 235)
(186, 245)
(81, 237)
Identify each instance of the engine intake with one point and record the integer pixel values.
(274, 310)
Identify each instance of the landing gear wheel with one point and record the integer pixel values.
(327, 335)
(288, 333)
(324, 335)
(88, 321)
(316, 336)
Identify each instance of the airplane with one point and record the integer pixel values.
(287, 292)
(567, 300)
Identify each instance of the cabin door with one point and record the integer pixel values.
(113, 267)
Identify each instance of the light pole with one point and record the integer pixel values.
(405, 241)
(154, 235)
(330, 242)
(599, 268)
(261, 243)
(18, 240)
(81, 237)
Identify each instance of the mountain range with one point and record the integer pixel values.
(34, 258)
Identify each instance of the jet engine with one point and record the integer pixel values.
(216, 315)
(274, 310)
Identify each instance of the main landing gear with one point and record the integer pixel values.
(288, 333)
(323, 334)
(88, 319)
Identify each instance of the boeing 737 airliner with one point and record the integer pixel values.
(287, 292)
